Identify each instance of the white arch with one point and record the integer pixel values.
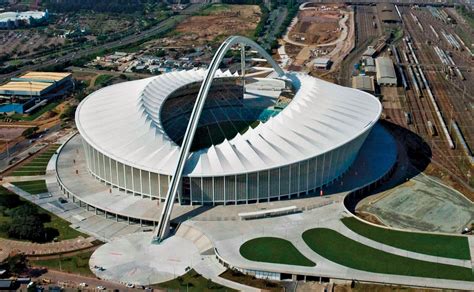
(164, 223)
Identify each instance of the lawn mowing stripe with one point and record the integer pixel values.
(32, 187)
(347, 252)
(456, 247)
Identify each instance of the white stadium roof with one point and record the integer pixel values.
(122, 121)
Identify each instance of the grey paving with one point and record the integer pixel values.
(421, 203)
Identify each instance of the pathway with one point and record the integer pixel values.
(210, 268)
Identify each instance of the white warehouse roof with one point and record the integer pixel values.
(385, 71)
(123, 122)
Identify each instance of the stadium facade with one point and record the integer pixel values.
(257, 140)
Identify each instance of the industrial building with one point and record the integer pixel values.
(364, 83)
(246, 148)
(386, 75)
(369, 66)
(322, 63)
(20, 94)
(387, 13)
(9, 20)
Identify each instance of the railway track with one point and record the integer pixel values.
(452, 103)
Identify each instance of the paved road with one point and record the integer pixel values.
(161, 27)
(22, 148)
(95, 71)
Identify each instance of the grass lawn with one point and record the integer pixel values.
(38, 165)
(347, 252)
(191, 281)
(214, 9)
(102, 80)
(274, 250)
(456, 247)
(37, 113)
(33, 187)
(65, 232)
(76, 264)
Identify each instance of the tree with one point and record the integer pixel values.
(68, 113)
(16, 264)
(28, 227)
(160, 53)
(27, 223)
(29, 132)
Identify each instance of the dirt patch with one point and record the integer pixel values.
(358, 286)
(292, 51)
(317, 26)
(216, 23)
(370, 218)
(10, 133)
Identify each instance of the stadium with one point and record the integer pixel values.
(258, 139)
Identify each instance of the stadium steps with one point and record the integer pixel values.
(199, 239)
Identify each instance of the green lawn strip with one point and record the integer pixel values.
(43, 158)
(274, 250)
(191, 281)
(27, 173)
(103, 79)
(36, 114)
(347, 252)
(32, 187)
(65, 232)
(76, 264)
(37, 166)
(32, 167)
(456, 247)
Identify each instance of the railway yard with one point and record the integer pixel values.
(441, 99)
(434, 97)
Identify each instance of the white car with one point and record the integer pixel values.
(130, 285)
(82, 284)
(100, 288)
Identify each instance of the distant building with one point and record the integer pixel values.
(364, 83)
(6, 284)
(34, 83)
(18, 19)
(387, 13)
(322, 63)
(385, 72)
(369, 66)
(33, 89)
